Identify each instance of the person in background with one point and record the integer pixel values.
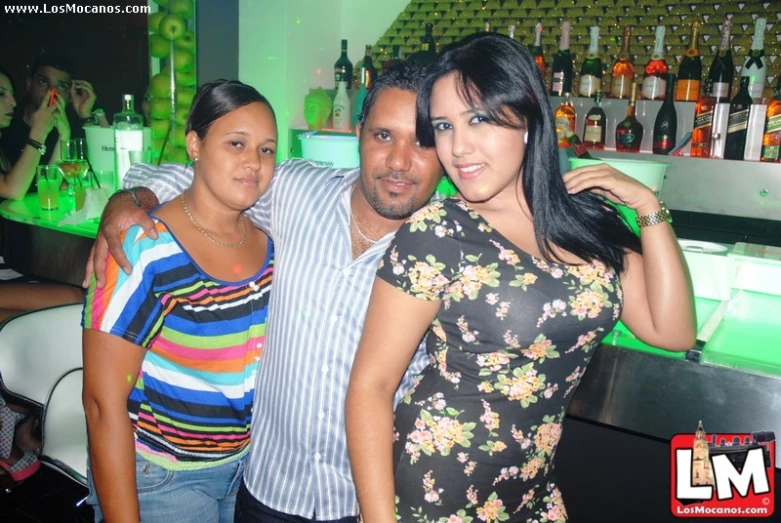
(330, 228)
(49, 74)
(516, 281)
(15, 179)
(171, 352)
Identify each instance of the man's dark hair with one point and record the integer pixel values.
(63, 63)
(216, 99)
(406, 76)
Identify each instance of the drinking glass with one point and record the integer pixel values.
(74, 169)
(48, 178)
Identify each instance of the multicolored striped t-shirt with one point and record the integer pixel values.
(192, 402)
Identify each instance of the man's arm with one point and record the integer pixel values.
(150, 186)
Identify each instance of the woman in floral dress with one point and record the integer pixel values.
(517, 279)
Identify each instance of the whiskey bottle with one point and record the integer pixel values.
(737, 124)
(702, 133)
(343, 68)
(596, 123)
(565, 114)
(771, 140)
(629, 133)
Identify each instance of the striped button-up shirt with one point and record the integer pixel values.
(298, 458)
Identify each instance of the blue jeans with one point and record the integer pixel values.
(168, 496)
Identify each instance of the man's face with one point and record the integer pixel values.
(398, 176)
(45, 78)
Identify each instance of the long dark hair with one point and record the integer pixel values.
(7, 75)
(499, 75)
(216, 99)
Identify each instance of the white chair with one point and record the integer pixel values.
(65, 429)
(40, 363)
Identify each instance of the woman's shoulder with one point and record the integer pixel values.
(136, 240)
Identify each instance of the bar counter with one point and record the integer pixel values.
(35, 244)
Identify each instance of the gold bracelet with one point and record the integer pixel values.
(660, 216)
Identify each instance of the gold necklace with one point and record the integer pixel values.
(355, 223)
(216, 242)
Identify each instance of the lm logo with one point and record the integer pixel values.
(722, 475)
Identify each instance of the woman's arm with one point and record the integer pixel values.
(395, 324)
(16, 182)
(111, 366)
(658, 295)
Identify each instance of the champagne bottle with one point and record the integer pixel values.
(737, 124)
(666, 124)
(565, 114)
(690, 70)
(596, 123)
(343, 68)
(629, 133)
(655, 79)
(722, 70)
(536, 50)
(702, 133)
(623, 73)
(561, 77)
(591, 70)
(511, 31)
(487, 27)
(755, 66)
(368, 71)
(771, 141)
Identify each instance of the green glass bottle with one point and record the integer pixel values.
(591, 70)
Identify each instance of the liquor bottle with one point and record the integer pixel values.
(511, 32)
(395, 58)
(358, 106)
(666, 124)
(771, 141)
(722, 70)
(561, 77)
(591, 70)
(656, 70)
(368, 72)
(575, 143)
(623, 73)
(536, 50)
(343, 68)
(565, 113)
(690, 70)
(596, 123)
(702, 133)
(342, 108)
(428, 46)
(629, 133)
(128, 136)
(755, 66)
(487, 27)
(737, 124)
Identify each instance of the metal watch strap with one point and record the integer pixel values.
(660, 216)
(37, 145)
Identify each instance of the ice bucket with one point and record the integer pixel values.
(330, 149)
(100, 147)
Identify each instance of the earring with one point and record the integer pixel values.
(526, 137)
(195, 159)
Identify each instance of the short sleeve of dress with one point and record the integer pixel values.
(424, 257)
(127, 305)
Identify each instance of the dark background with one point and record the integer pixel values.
(108, 50)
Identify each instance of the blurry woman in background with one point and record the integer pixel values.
(171, 351)
(518, 279)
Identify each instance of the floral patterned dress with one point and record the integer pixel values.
(475, 439)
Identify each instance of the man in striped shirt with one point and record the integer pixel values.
(330, 228)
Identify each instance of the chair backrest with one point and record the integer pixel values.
(38, 347)
(65, 429)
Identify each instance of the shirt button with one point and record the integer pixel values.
(317, 456)
(324, 368)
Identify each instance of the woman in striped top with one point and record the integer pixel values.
(171, 351)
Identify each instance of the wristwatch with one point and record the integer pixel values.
(37, 145)
(662, 215)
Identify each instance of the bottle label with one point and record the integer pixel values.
(687, 90)
(593, 132)
(770, 153)
(562, 122)
(774, 124)
(664, 143)
(704, 120)
(626, 137)
(620, 87)
(557, 86)
(721, 90)
(653, 88)
(738, 121)
(756, 86)
(589, 85)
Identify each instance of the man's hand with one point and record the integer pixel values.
(83, 98)
(120, 213)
